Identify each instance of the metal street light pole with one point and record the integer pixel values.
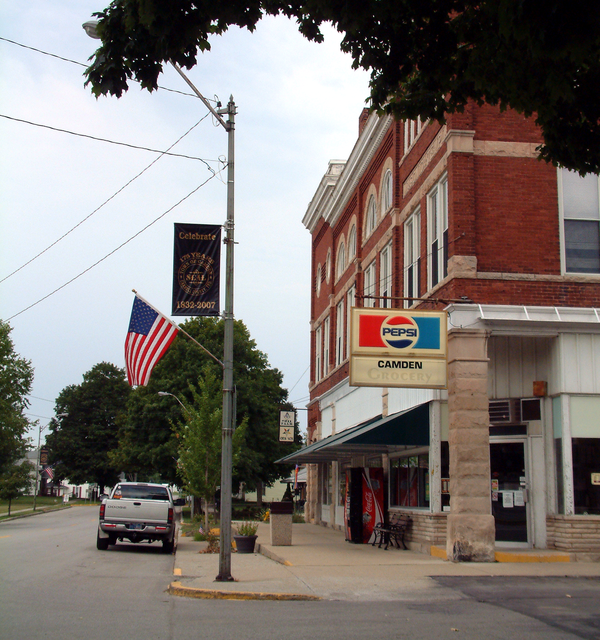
(166, 393)
(228, 389)
(37, 466)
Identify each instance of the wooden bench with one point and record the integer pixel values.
(392, 531)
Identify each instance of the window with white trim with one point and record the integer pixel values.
(412, 255)
(412, 129)
(352, 243)
(318, 279)
(437, 232)
(387, 192)
(581, 222)
(341, 260)
(318, 353)
(371, 216)
(370, 285)
(325, 346)
(340, 321)
(350, 302)
(385, 276)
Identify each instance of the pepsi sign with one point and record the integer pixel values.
(399, 332)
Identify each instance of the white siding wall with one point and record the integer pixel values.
(578, 366)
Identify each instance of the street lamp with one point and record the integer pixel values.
(224, 575)
(166, 393)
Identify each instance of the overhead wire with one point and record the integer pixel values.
(191, 193)
(114, 195)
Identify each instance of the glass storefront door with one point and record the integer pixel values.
(509, 491)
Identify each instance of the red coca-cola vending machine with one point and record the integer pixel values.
(365, 502)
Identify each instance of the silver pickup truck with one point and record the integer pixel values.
(138, 512)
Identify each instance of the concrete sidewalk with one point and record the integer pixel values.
(320, 564)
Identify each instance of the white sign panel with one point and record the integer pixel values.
(373, 371)
(286, 434)
(287, 418)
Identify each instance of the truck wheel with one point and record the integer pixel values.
(168, 546)
(101, 543)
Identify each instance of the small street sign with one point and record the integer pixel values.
(287, 418)
(286, 434)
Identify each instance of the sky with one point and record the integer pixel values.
(298, 107)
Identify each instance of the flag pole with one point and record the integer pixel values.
(177, 327)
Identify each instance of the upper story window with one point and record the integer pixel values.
(350, 302)
(340, 323)
(326, 338)
(352, 243)
(318, 280)
(412, 255)
(318, 353)
(412, 129)
(341, 260)
(437, 232)
(371, 221)
(385, 276)
(387, 192)
(581, 219)
(370, 285)
(328, 266)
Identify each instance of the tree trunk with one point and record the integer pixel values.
(259, 493)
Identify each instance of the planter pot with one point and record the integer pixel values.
(245, 544)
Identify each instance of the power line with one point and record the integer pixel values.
(85, 66)
(105, 202)
(122, 144)
(191, 193)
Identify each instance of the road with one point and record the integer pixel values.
(54, 584)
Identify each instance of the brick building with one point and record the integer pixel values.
(463, 218)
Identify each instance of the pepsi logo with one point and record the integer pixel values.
(399, 332)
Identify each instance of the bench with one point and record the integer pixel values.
(392, 531)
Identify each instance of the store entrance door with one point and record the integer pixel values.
(509, 491)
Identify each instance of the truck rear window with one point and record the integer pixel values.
(141, 492)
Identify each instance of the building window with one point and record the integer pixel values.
(581, 219)
(586, 494)
(352, 243)
(409, 481)
(341, 260)
(387, 193)
(437, 229)
(371, 216)
(318, 353)
(326, 346)
(328, 266)
(340, 321)
(350, 302)
(412, 129)
(412, 255)
(318, 279)
(385, 278)
(370, 285)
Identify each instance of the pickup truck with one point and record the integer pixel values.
(138, 512)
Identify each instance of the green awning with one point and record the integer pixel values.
(403, 430)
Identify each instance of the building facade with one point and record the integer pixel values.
(462, 217)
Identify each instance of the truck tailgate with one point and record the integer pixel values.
(125, 510)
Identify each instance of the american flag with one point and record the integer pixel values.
(49, 471)
(149, 336)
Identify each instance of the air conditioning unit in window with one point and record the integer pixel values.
(505, 411)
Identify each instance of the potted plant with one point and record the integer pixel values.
(246, 537)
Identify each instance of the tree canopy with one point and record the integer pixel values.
(427, 58)
(16, 378)
(147, 442)
(86, 428)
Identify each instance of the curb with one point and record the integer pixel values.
(177, 589)
(37, 512)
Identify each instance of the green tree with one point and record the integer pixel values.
(147, 443)
(200, 438)
(15, 481)
(16, 378)
(426, 57)
(81, 438)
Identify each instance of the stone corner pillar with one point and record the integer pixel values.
(470, 533)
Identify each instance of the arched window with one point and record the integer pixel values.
(341, 260)
(387, 192)
(318, 280)
(352, 243)
(371, 216)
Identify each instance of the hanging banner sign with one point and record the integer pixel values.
(398, 348)
(196, 269)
